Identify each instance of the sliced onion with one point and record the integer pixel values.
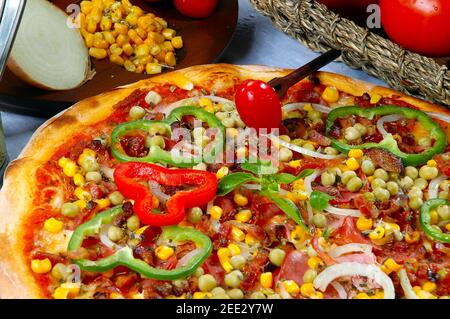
(107, 171)
(256, 187)
(372, 272)
(186, 258)
(156, 190)
(310, 212)
(105, 239)
(340, 290)
(302, 150)
(439, 116)
(308, 180)
(349, 248)
(300, 106)
(47, 53)
(75, 274)
(343, 211)
(433, 187)
(385, 119)
(167, 109)
(406, 285)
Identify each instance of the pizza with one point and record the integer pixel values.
(157, 190)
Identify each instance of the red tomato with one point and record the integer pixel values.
(258, 105)
(422, 26)
(196, 8)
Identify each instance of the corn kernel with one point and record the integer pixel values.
(266, 279)
(72, 288)
(78, 179)
(53, 225)
(243, 216)
(128, 49)
(356, 153)
(377, 233)
(41, 266)
(222, 172)
(378, 295)
(447, 227)
(129, 66)
(364, 223)
(362, 295)
(170, 59)
(164, 252)
(103, 203)
(432, 163)
(352, 163)
(61, 293)
(302, 196)
(429, 286)
(204, 101)
(224, 258)
(115, 295)
(295, 164)
(413, 237)
(314, 262)
(209, 109)
(116, 59)
(202, 295)
(330, 94)
(375, 98)
(70, 168)
(308, 107)
(237, 234)
(239, 199)
(216, 212)
(152, 68)
(80, 203)
(250, 240)
(299, 184)
(63, 161)
(234, 249)
(307, 289)
(98, 53)
(177, 42)
(80, 193)
(317, 295)
(425, 295)
(392, 265)
(291, 287)
(105, 24)
(298, 234)
(137, 296)
(86, 6)
(434, 217)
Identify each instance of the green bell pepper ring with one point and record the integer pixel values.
(124, 256)
(425, 218)
(158, 155)
(389, 143)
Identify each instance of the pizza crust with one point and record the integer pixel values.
(16, 196)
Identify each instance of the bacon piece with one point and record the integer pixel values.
(319, 138)
(294, 128)
(385, 160)
(134, 145)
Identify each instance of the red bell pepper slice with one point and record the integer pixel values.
(127, 175)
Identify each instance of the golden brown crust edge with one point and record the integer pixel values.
(16, 280)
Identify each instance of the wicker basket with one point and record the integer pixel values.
(320, 29)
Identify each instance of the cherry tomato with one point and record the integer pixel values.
(196, 8)
(258, 105)
(422, 26)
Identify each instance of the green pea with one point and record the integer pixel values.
(195, 215)
(218, 291)
(235, 293)
(367, 167)
(444, 212)
(411, 172)
(369, 197)
(347, 176)
(415, 203)
(276, 256)
(221, 115)
(354, 184)
(309, 146)
(381, 173)
(60, 271)
(421, 183)
(428, 172)
(310, 275)
(95, 177)
(352, 134)
(206, 283)
(273, 296)
(331, 150)
(89, 164)
(381, 194)
(406, 182)
(238, 262)
(361, 128)
(228, 107)
(257, 295)
(392, 187)
(327, 179)
(415, 192)
(222, 295)
(198, 272)
(232, 280)
(228, 122)
(285, 154)
(180, 283)
(70, 210)
(133, 223)
(319, 220)
(115, 233)
(378, 182)
(136, 112)
(116, 198)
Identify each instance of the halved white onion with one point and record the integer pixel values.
(340, 290)
(406, 285)
(349, 248)
(301, 105)
(343, 211)
(186, 258)
(386, 119)
(107, 171)
(433, 187)
(372, 272)
(302, 150)
(47, 53)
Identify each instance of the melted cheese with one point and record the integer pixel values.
(54, 243)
